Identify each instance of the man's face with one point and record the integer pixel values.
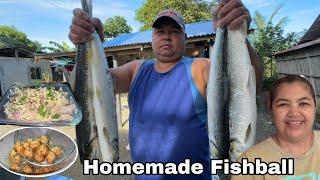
(293, 111)
(168, 40)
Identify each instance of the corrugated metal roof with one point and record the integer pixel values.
(313, 32)
(197, 29)
(300, 46)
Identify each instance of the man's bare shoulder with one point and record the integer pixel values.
(135, 65)
(201, 61)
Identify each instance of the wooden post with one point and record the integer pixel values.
(16, 54)
(118, 102)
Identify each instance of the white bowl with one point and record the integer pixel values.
(57, 138)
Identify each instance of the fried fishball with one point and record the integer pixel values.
(16, 159)
(12, 153)
(44, 139)
(27, 169)
(37, 171)
(38, 158)
(19, 148)
(18, 143)
(34, 144)
(51, 157)
(25, 144)
(42, 150)
(15, 167)
(28, 153)
(44, 170)
(57, 150)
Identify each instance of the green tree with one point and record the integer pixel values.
(57, 47)
(192, 10)
(20, 38)
(269, 38)
(115, 26)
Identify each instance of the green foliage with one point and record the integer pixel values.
(13, 33)
(269, 39)
(115, 26)
(192, 10)
(16, 38)
(57, 47)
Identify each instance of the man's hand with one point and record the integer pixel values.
(82, 27)
(230, 14)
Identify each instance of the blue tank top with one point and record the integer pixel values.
(168, 118)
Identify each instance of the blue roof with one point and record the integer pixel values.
(197, 29)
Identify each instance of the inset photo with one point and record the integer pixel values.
(37, 151)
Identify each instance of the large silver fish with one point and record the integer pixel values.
(242, 93)
(231, 96)
(97, 133)
(217, 94)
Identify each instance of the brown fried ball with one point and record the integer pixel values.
(38, 159)
(42, 150)
(45, 170)
(27, 169)
(19, 148)
(16, 159)
(28, 153)
(18, 143)
(34, 144)
(57, 150)
(12, 153)
(51, 157)
(37, 171)
(25, 144)
(44, 139)
(15, 167)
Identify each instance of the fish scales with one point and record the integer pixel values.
(217, 100)
(215, 96)
(97, 134)
(82, 95)
(242, 102)
(231, 97)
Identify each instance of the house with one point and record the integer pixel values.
(131, 46)
(17, 65)
(304, 58)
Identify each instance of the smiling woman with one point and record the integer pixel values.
(293, 109)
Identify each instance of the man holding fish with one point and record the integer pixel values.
(167, 95)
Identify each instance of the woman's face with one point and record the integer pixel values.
(293, 111)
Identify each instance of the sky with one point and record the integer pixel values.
(49, 20)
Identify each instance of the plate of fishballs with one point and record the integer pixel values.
(37, 151)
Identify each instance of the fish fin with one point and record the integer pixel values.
(248, 133)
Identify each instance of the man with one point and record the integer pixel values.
(167, 95)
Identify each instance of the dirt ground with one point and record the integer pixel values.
(264, 129)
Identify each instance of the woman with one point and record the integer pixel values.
(293, 109)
